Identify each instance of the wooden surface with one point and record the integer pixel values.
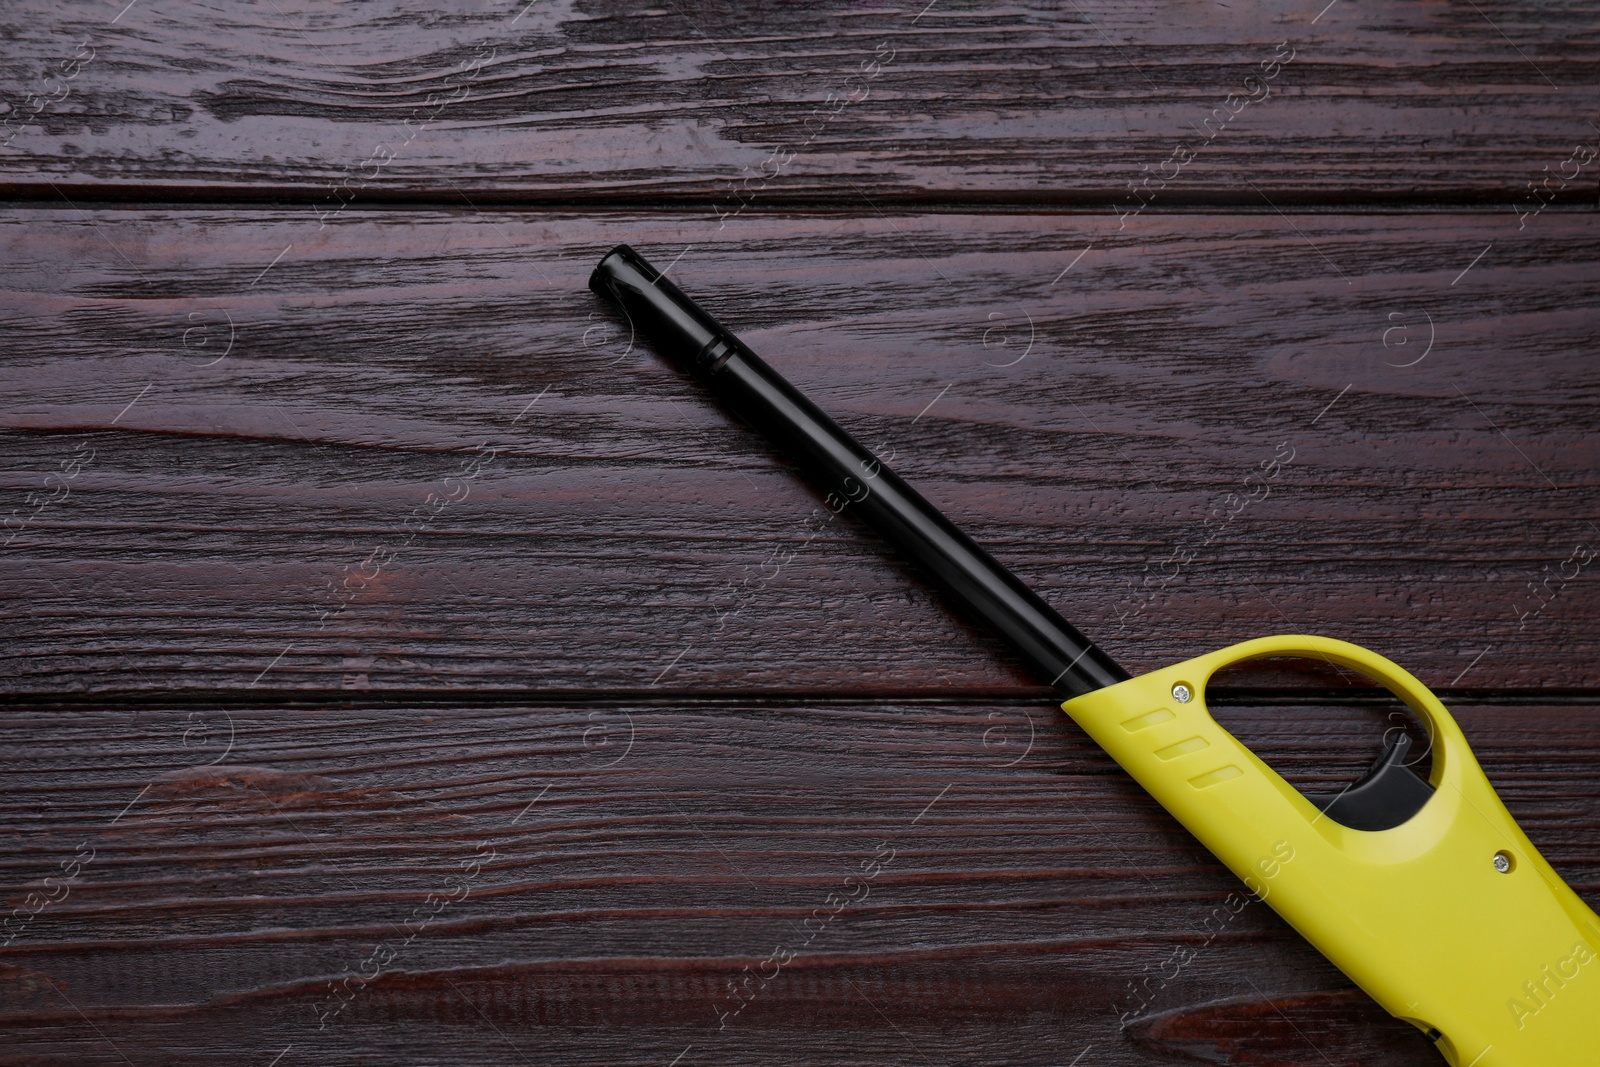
(560, 101)
(381, 624)
(364, 372)
(640, 856)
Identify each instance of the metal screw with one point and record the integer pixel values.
(1502, 862)
(1182, 693)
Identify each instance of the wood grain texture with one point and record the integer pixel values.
(288, 486)
(400, 665)
(636, 859)
(562, 101)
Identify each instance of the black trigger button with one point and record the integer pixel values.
(1386, 796)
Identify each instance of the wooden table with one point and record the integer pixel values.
(403, 665)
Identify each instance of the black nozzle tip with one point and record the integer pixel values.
(602, 280)
(673, 324)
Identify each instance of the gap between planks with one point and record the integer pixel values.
(1093, 202)
(693, 698)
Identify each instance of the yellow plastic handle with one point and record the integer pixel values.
(1503, 965)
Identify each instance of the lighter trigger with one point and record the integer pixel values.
(1389, 794)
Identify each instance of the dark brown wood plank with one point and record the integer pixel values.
(724, 104)
(311, 507)
(443, 656)
(233, 864)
